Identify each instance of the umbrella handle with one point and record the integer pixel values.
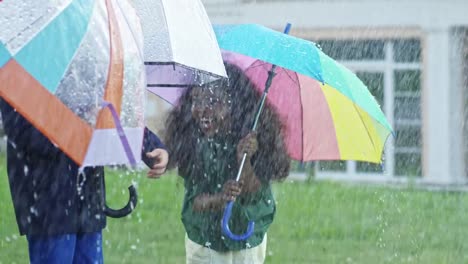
(131, 204)
(228, 209)
(227, 230)
(132, 201)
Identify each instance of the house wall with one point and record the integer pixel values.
(435, 23)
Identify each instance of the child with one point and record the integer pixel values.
(207, 135)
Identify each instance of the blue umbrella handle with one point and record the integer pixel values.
(228, 210)
(227, 231)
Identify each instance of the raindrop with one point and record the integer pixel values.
(33, 211)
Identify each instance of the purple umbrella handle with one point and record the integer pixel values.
(132, 201)
(121, 133)
(227, 230)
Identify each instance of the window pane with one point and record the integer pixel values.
(407, 136)
(332, 165)
(407, 50)
(375, 83)
(369, 167)
(407, 107)
(408, 164)
(407, 80)
(353, 49)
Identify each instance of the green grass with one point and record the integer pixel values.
(317, 222)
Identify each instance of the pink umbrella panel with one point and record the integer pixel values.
(320, 122)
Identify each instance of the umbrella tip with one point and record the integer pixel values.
(287, 28)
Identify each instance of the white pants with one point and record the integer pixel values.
(198, 254)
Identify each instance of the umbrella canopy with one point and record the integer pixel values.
(329, 114)
(74, 69)
(180, 46)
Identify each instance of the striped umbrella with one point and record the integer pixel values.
(328, 112)
(74, 70)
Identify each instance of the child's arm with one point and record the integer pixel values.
(215, 202)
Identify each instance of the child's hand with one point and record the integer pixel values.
(231, 189)
(248, 145)
(160, 159)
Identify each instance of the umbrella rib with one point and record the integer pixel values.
(131, 30)
(262, 63)
(302, 114)
(183, 66)
(292, 79)
(169, 85)
(364, 123)
(267, 63)
(167, 26)
(28, 27)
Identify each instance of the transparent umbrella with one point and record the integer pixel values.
(74, 70)
(180, 46)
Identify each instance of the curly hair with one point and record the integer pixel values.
(271, 162)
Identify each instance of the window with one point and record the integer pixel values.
(407, 125)
(391, 71)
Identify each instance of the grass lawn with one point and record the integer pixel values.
(317, 222)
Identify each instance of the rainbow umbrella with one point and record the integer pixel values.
(328, 113)
(74, 69)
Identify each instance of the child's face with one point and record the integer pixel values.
(210, 109)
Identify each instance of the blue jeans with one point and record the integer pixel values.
(66, 249)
